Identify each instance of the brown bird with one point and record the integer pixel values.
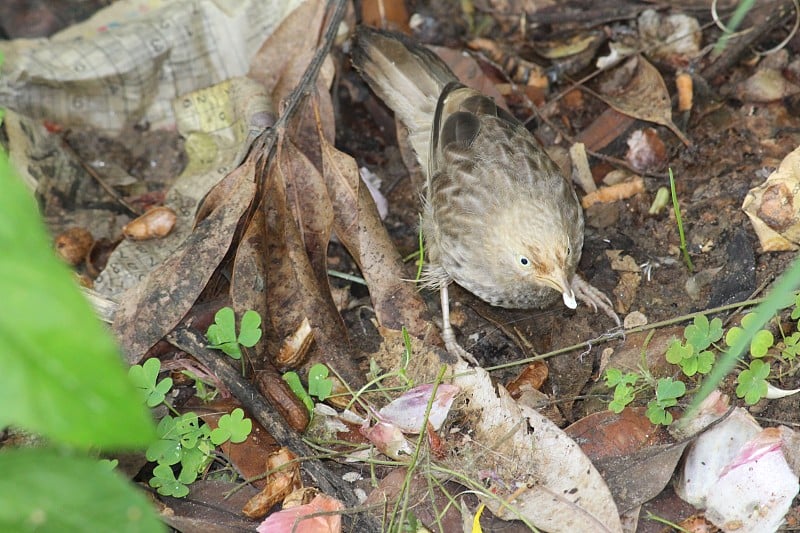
(498, 217)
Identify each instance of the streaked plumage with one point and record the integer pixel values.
(498, 217)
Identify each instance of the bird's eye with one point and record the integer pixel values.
(569, 251)
(524, 261)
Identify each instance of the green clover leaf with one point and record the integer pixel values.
(250, 330)
(657, 414)
(167, 450)
(166, 484)
(144, 378)
(668, 391)
(701, 333)
(623, 395)
(222, 334)
(762, 341)
(296, 386)
(233, 426)
(319, 384)
(677, 352)
(753, 382)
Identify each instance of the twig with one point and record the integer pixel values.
(266, 140)
(98, 178)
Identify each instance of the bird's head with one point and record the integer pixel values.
(535, 251)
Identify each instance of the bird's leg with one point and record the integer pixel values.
(448, 335)
(593, 297)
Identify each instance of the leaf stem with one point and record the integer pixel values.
(677, 208)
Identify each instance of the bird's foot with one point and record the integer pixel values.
(452, 346)
(448, 335)
(593, 297)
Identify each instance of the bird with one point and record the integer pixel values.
(498, 217)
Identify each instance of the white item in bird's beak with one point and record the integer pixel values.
(569, 299)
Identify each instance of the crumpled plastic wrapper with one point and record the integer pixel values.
(175, 65)
(127, 64)
(774, 207)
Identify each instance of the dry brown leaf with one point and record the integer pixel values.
(387, 14)
(152, 308)
(636, 458)
(294, 291)
(562, 492)
(470, 73)
(772, 207)
(248, 288)
(360, 229)
(213, 507)
(284, 56)
(604, 129)
(645, 97)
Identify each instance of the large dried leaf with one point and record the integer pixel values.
(646, 97)
(360, 229)
(294, 292)
(150, 310)
(285, 55)
(635, 458)
(248, 280)
(518, 447)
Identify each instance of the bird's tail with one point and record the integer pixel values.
(407, 77)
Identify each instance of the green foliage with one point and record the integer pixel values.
(204, 391)
(48, 490)
(61, 369)
(222, 334)
(693, 356)
(183, 440)
(234, 427)
(145, 378)
(761, 341)
(667, 394)
(679, 219)
(753, 381)
(623, 385)
(320, 385)
(296, 386)
(62, 377)
(791, 346)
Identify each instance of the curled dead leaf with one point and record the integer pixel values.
(295, 347)
(645, 97)
(532, 377)
(283, 479)
(772, 207)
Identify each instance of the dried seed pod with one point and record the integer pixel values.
(154, 224)
(73, 245)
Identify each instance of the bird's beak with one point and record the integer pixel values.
(560, 283)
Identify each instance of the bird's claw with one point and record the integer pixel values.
(593, 297)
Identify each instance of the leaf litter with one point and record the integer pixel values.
(262, 240)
